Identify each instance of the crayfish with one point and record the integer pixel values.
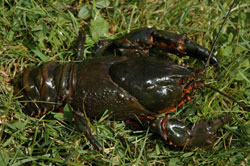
(134, 86)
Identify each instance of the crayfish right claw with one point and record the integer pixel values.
(202, 133)
(216, 124)
(179, 134)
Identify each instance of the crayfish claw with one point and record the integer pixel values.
(179, 134)
(216, 124)
(200, 135)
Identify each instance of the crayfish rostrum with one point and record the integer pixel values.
(134, 86)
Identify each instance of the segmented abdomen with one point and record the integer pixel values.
(47, 87)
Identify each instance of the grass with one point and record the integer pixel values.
(34, 32)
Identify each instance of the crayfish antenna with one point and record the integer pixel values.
(215, 41)
(245, 107)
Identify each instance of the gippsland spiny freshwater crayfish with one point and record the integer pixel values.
(134, 87)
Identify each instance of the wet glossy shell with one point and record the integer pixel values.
(127, 87)
(153, 81)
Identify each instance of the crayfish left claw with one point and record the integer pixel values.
(140, 41)
(181, 45)
(195, 50)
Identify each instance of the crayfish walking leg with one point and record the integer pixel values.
(83, 126)
(80, 120)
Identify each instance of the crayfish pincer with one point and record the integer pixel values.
(133, 87)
